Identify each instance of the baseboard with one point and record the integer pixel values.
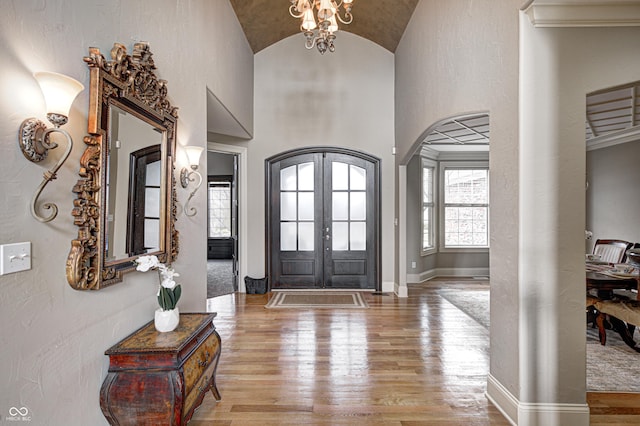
(502, 399)
(446, 272)
(388, 287)
(400, 291)
(535, 414)
(421, 277)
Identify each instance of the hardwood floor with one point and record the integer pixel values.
(413, 361)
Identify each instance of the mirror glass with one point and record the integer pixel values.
(125, 204)
(134, 182)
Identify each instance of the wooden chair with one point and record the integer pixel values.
(613, 251)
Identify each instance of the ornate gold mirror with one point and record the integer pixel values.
(125, 204)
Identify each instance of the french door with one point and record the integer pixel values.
(323, 219)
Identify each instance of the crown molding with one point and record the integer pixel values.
(632, 134)
(582, 13)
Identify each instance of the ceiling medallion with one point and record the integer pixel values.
(328, 15)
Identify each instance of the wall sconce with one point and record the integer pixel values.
(34, 138)
(186, 176)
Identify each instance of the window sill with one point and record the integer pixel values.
(429, 252)
(464, 250)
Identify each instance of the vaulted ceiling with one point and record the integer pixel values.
(266, 22)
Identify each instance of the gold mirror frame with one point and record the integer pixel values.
(127, 80)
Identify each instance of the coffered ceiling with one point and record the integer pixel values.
(613, 111)
(266, 22)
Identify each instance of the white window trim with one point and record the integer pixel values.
(457, 165)
(426, 162)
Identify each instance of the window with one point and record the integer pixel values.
(428, 205)
(219, 194)
(465, 190)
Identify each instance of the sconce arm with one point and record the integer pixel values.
(50, 175)
(185, 178)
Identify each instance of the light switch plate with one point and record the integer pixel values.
(15, 257)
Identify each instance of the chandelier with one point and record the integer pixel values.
(328, 14)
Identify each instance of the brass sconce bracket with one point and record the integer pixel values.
(35, 143)
(185, 178)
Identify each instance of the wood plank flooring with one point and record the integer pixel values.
(413, 361)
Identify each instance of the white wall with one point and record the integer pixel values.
(559, 69)
(303, 99)
(613, 199)
(53, 337)
(457, 57)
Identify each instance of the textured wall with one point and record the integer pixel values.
(53, 337)
(457, 57)
(558, 70)
(613, 199)
(302, 99)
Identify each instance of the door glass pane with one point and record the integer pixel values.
(153, 174)
(340, 236)
(305, 177)
(288, 236)
(288, 209)
(305, 205)
(288, 179)
(358, 236)
(151, 234)
(305, 236)
(358, 178)
(152, 202)
(340, 208)
(339, 176)
(358, 206)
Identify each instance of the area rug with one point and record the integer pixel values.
(474, 303)
(317, 299)
(610, 368)
(220, 279)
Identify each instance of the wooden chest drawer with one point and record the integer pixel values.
(199, 360)
(204, 383)
(161, 378)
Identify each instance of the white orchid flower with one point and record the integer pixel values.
(147, 262)
(168, 291)
(168, 283)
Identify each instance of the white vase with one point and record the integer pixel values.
(166, 320)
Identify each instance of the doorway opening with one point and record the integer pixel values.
(323, 219)
(222, 224)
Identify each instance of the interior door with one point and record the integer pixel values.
(323, 220)
(234, 222)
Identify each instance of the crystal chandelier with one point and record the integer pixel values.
(328, 13)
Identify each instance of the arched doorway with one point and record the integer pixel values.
(323, 219)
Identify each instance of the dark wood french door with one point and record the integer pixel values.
(323, 219)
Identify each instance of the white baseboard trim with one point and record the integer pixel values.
(502, 399)
(388, 286)
(535, 414)
(446, 272)
(400, 291)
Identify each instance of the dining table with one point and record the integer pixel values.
(606, 283)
